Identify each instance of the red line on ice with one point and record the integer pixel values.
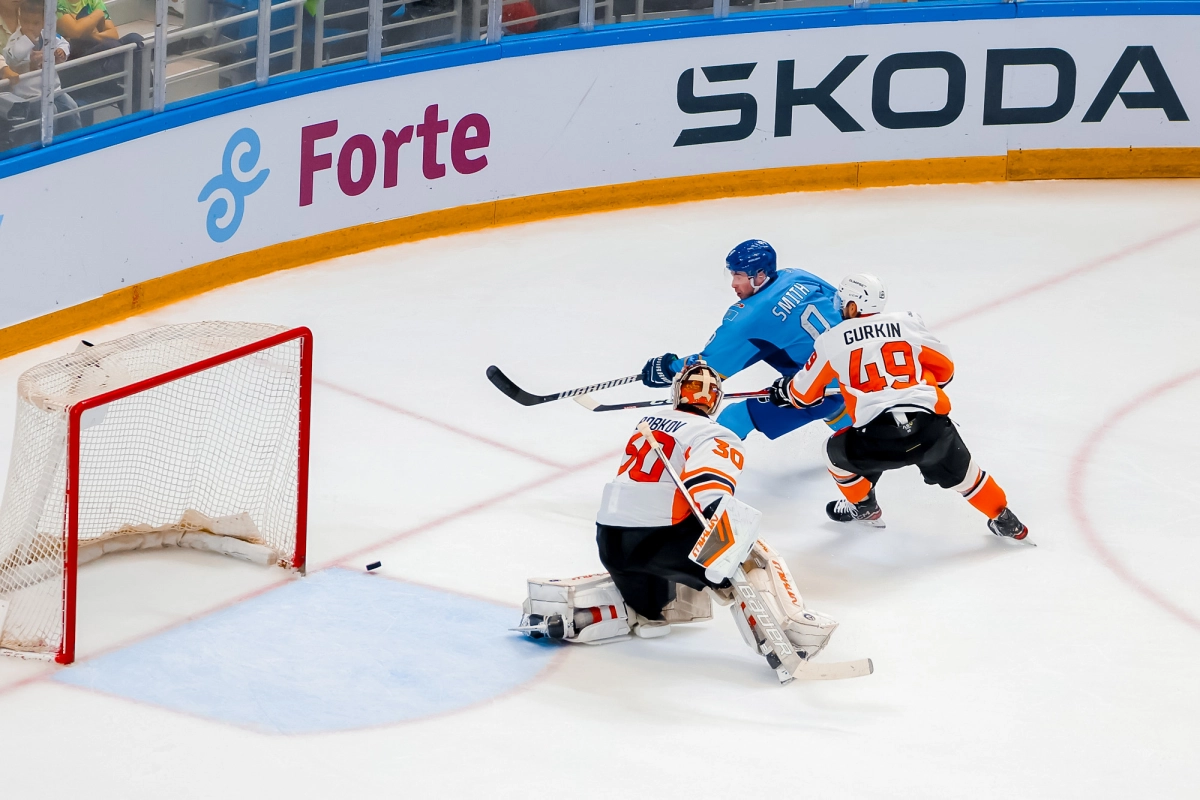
(473, 508)
(1102, 261)
(1077, 481)
(437, 423)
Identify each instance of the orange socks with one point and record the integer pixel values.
(987, 496)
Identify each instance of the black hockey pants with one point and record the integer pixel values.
(646, 563)
(929, 441)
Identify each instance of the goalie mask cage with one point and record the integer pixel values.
(189, 435)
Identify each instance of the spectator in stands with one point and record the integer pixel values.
(10, 20)
(23, 53)
(89, 29)
(87, 26)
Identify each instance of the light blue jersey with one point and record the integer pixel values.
(779, 325)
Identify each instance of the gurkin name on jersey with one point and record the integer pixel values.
(879, 330)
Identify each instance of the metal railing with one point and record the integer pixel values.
(228, 43)
(235, 52)
(82, 78)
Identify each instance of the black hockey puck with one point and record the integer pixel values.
(374, 565)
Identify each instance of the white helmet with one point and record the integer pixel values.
(865, 291)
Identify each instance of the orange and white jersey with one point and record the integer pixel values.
(706, 455)
(882, 362)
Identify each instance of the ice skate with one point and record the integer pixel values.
(867, 512)
(1008, 525)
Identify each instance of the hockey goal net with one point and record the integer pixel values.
(189, 435)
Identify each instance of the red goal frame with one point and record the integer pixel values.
(66, 652)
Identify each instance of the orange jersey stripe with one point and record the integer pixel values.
(815, 390)
(935, 365)
(701, 470)
(708, 486)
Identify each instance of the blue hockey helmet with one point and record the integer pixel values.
(751, 257)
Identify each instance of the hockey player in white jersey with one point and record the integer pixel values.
(646, 531)
(892, 372)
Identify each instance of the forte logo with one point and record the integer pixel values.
(237, 181)
(361, 159)
(1161, 97)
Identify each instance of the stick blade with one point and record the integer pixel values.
(834, 671)
(587, 401)
(502, 382)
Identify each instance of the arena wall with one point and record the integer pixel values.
(343, 160)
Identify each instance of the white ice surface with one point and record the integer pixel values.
(1066, 670)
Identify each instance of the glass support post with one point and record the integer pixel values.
(495, 14)
(159, 71)
(374, 31)
(319, 36)
(49, 74)
(262, 56)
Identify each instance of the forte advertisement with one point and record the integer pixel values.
(514, 127)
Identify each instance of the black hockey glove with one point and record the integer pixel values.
(779, 393)
(657, 373)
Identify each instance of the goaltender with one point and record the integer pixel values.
(646, 534)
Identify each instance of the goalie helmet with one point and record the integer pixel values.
(865, 291)
(697, 387)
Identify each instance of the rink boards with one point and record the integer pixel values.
(342, 161)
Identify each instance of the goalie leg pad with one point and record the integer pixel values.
(587, 610)
(807, 630)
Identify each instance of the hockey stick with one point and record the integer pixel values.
(591, 405)
(505, 385)
(774, 643)
(588, 402)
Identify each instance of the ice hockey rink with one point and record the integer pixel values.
(1001, 670)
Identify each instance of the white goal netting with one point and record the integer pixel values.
(207, 459)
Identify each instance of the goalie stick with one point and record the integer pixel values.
(590, 403)
(505, 385)
(774, 644)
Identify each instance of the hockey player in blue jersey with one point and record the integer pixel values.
(779, 315)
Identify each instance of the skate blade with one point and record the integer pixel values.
(872, 523)
(1023, 540)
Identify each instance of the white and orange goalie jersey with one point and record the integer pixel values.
(882, 362)
(704, 454)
